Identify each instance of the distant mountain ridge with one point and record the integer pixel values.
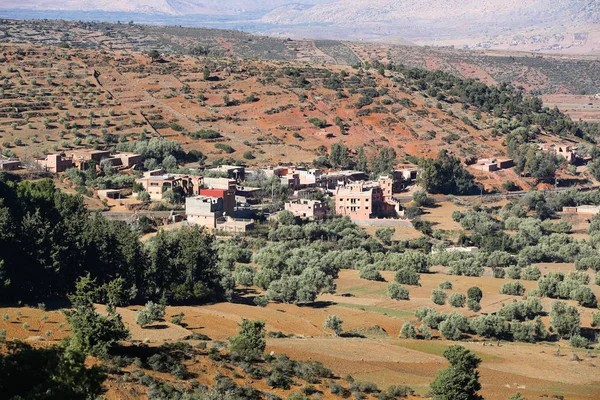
(559, 26)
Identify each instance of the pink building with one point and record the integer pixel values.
(362, 201)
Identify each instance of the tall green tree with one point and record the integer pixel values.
(460, 381)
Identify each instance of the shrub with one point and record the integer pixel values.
(457, 300)
(261, 301)
(565, 319)
(425, 332)
(530, 332)
(370, 273)
(499, 273)
(244, 275)
(407, 276)
(513, 289)
(488, 325)
(334, 323)
(177, 319)
(408, 331)
(248, 155)
(531, 273)
(398, 292)
(578, 341)
(473, 305)
(445, 285)
(453, 327)
(152, 312)
(513, 272)
(250, 341)
(438, 297)
(225, 147)
(475, 293)
(595, 319)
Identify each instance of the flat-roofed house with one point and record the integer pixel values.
(307, 209)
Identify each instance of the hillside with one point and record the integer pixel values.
(255, 112)
(545, 74)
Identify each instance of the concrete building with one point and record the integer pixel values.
(228, 197)
(10, 165)
(493, 164)
(307, 209)
(362, 201)
(219, 183)
(55, 163)
(208, 211)
(567, 152)
(157, 185)
(237, 172)
(583, 209)
(340, 178)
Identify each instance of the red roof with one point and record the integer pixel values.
(213, 192)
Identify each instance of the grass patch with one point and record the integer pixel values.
(379, 310)
(437, 349)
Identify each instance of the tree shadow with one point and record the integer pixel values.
(157, 327)
(318, 304)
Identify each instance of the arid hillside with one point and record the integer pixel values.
(256, 112)
(543, 73)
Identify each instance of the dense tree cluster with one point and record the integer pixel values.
(48, 240)
(445, 174)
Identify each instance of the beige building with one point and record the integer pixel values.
(208, 211)
(567, 152)
(156, 185)
(55, 163)
(307, 209)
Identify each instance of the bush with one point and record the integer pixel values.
(529, 332)
(473, 305)
(445, 285)
(457, 300)
(578, 341)
(250, 341)
(513, 272)
(261, 301)
(408, 331)
(225, 147)
(244, 275)
(531, 273)
(407, 276)
(565, 320)
(453, 327)
(177, 319)
(425, 332)
(488, 325)
(334, 323)
(438, 297)
(151, 313)
(370, 273)
(475, 293)
(499, 273)
(398, 292)
(513, 289)
(595, 319)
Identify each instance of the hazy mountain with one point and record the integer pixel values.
(567, 26)
(171, 7)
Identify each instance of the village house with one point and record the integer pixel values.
(567, 152)
(340, 178)
(363, 201)
(219, 183)
(55, 163)
(10, 165)
(583, 209)
(208, 211)
(307, 209)
(156, 185)
(236, 172)
(493, 164)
